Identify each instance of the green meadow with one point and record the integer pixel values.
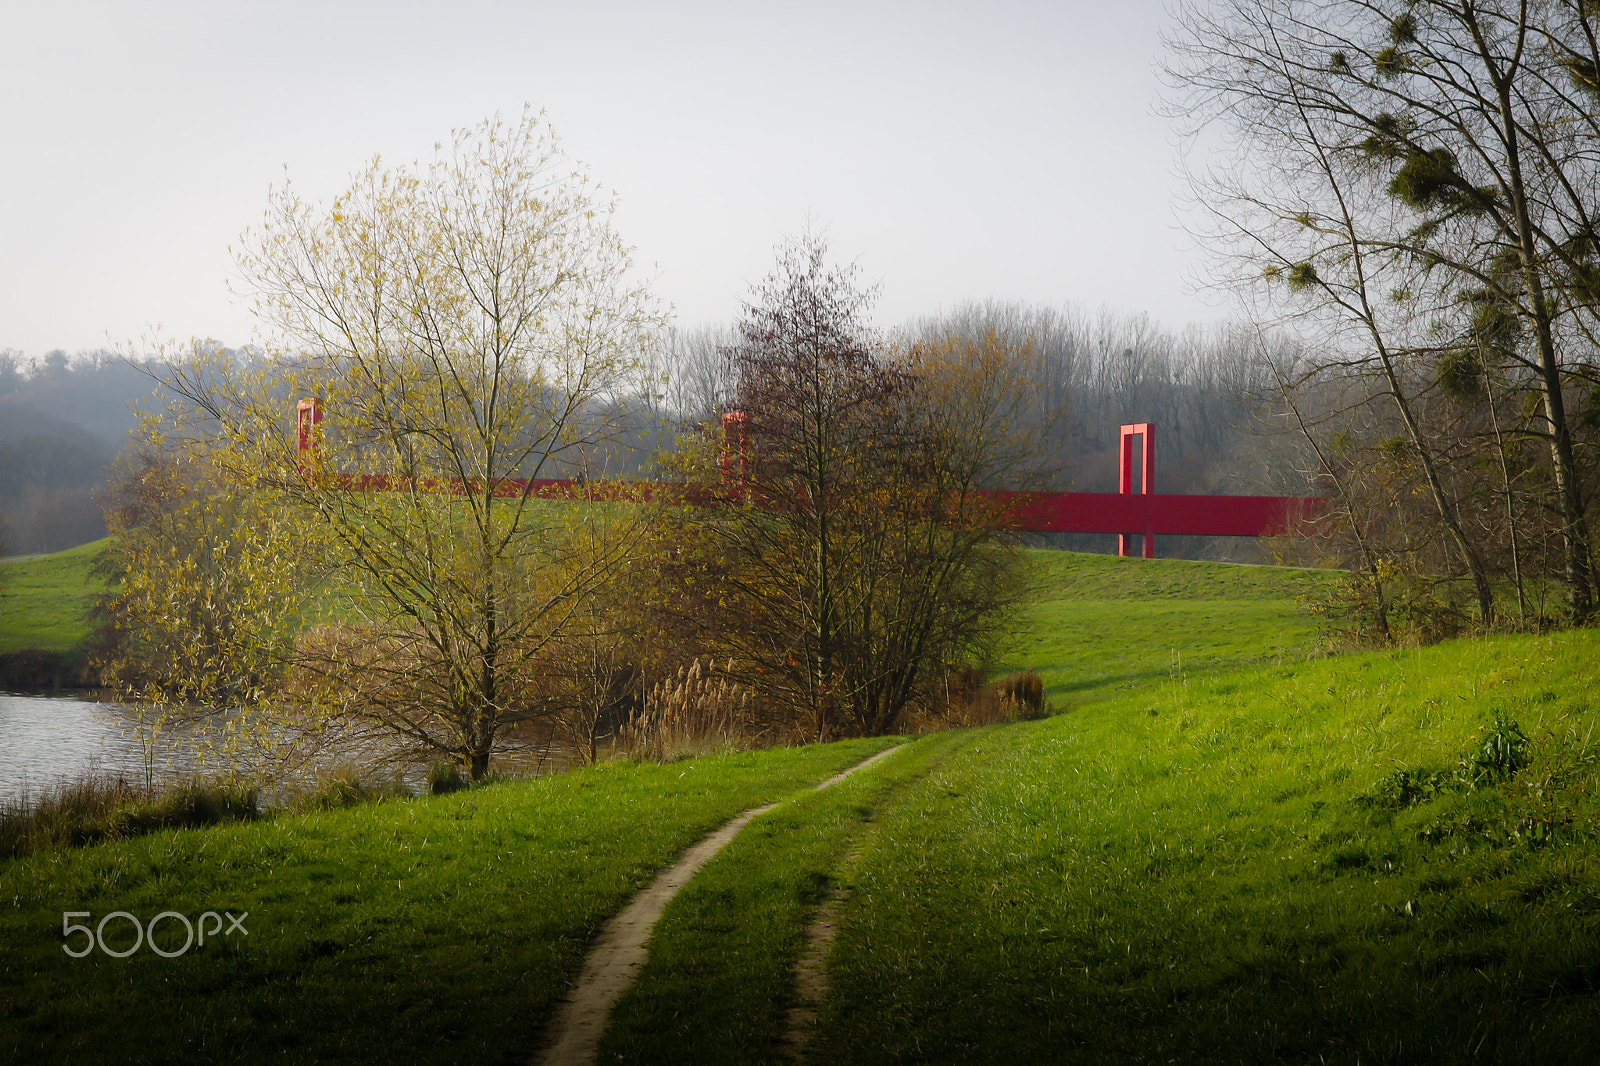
(45, 600)
(1099, 623)
(1227, 845)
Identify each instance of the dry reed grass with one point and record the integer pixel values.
(696, 710)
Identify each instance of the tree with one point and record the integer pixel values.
(464, 325)
(1421, 179)
(855, 557)
(10, 370)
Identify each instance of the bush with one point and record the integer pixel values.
(969, 702)
(445, 777)
(1396, 606)
(1024, 693)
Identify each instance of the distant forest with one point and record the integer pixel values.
(64, 419)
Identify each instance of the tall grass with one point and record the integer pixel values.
(699, 709)
(98, 809)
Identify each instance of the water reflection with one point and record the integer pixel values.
(48, 741)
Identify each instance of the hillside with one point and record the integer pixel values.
(45, 600)
(1100, 623)
(1224, 850)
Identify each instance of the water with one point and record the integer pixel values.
(47, 741)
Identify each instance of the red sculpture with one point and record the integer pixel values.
(1124, 512)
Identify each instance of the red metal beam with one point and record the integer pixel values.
(1147, 479)
(1123, 513)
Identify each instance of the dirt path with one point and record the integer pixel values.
(614, 961)
(811, 974)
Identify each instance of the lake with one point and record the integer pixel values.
(46, 741)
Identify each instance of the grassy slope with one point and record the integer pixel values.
(1103, 623)
(45, 601)
(1178, 870)
(436, 930)
(1181, 874)
(727, 943)
(1173, 870)
(717, 987)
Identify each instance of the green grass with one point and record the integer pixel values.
(1184, 874)
(45, 601)
(1103, 623)
(728, 941)
(432, 930)
(1208, 858)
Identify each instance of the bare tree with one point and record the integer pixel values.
(857, 559)
(1415, 176)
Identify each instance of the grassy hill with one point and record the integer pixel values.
(1325, 861)
(1230, 848)
(45, 600)
(1100, 623)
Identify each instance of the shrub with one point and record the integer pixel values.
(445, 777)
(1024, 693)
(969, 702)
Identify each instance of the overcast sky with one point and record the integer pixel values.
(955, 150)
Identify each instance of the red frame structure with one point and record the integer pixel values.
(1124, 512)
(1127, 513)
(1147, 477)
(308, 419)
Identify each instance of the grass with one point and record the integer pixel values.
(728, 941)
(433, 930)
(1185, 874)
(1103, 623)
(101, 809)
(45, 601)
(1230, 848)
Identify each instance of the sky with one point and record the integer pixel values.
(956, 151)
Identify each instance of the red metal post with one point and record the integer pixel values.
(735, 448)
(1147, 478)
(308, 413)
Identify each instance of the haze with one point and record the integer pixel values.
(956, 151)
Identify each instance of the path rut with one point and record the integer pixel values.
(614, 961)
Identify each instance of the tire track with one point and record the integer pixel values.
(618, 953)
